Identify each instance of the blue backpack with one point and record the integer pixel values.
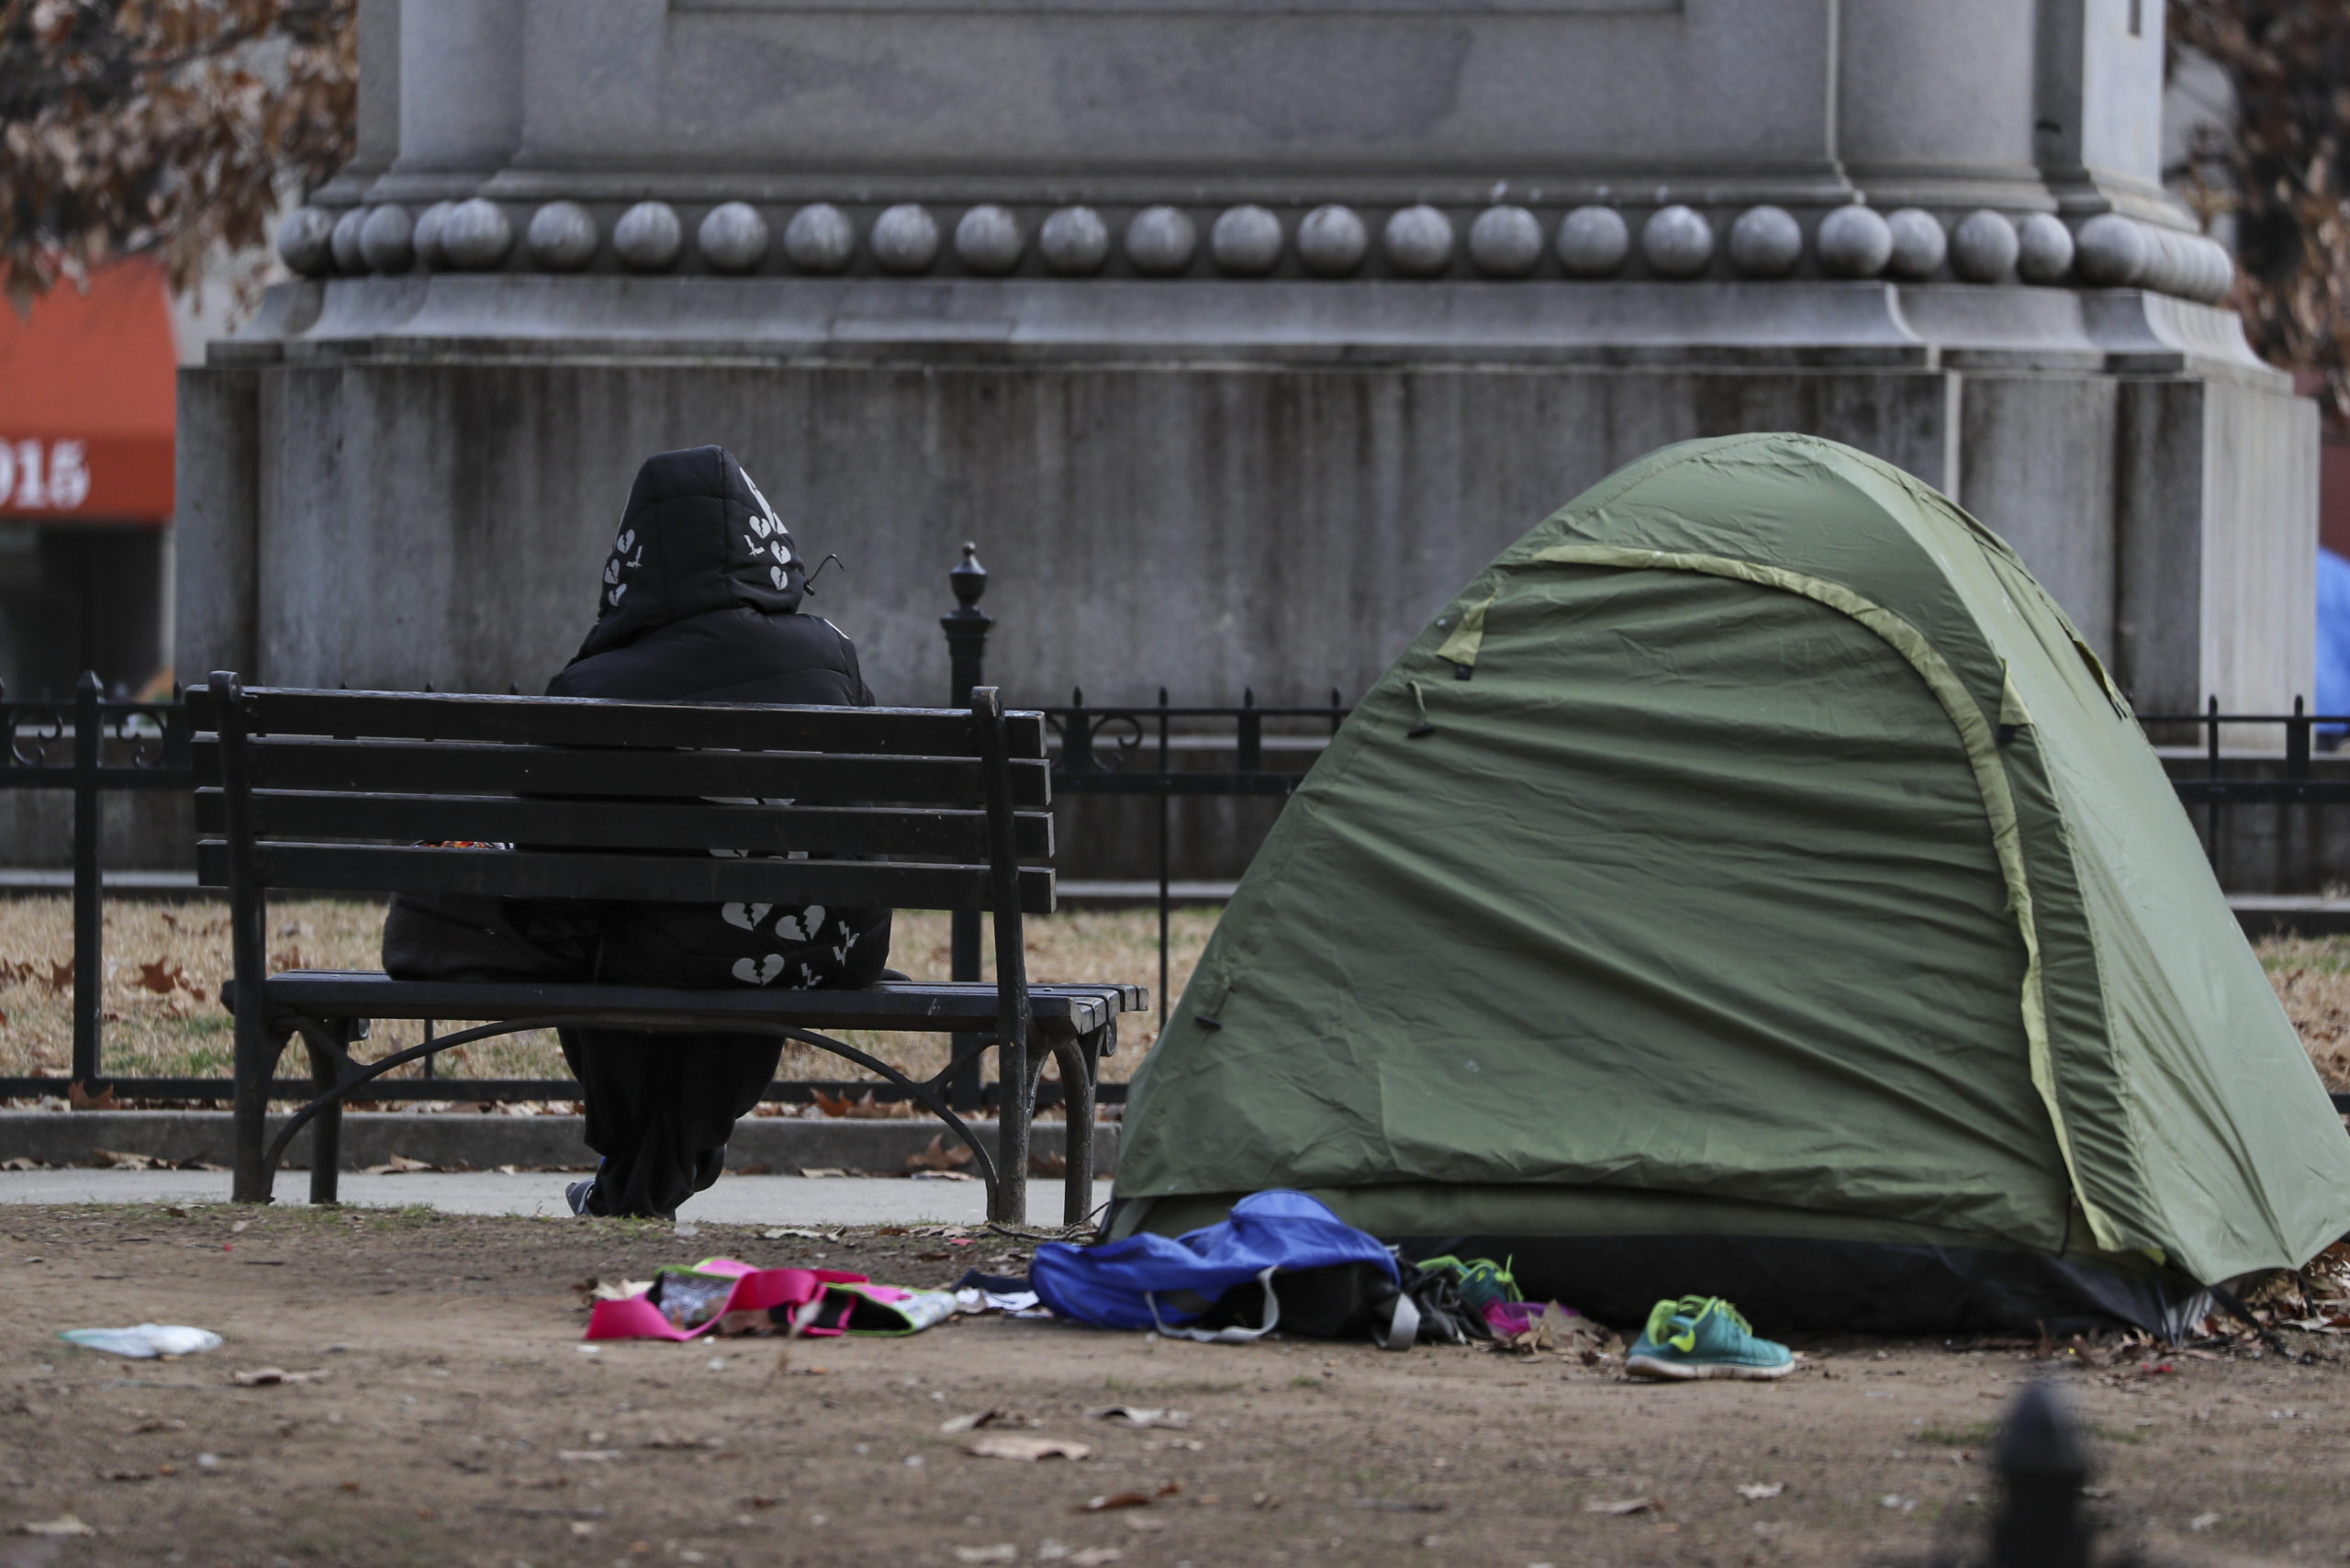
(1193, 1286)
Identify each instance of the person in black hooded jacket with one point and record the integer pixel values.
(699, 602)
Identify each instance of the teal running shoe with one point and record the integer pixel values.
(1703, 1336)
(1482, 1281)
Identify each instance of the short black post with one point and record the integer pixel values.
(89, 894)
(966, 646)
(2297, 743)
(2041, 1466)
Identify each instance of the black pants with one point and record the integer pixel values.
(660, 1106)
(660, 1109)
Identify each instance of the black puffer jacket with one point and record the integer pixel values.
(700, 602)
(701, 597)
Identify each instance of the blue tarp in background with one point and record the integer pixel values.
(2333, 694)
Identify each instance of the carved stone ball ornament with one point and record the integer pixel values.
(1855, 241)
(1418, 242)
(2043, 248)
(1074, 241)
(476, 236)
(348, 258)
(819, 239)
(387, 239)
(561, 236)
(305, 242)
(1983, 246)
(1161, 242)
(1246, 241)
(427, 234)
(1676, 241)
(1919, 244)
(904, 238)
(1764, 241)
(1332, 241)
(990, 240)
(1506, 242)
(733, 238)
(1592, 242)
(649, 238)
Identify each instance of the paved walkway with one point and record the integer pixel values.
(737, 1200)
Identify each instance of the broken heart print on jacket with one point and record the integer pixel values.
(802, 929)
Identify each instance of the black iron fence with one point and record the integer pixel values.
(93, 746)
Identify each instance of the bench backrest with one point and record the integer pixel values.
(363, 791)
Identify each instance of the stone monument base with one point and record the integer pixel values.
(1206, 486)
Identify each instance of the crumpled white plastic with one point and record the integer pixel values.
(145, 1341)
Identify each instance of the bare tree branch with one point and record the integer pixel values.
(163, 126)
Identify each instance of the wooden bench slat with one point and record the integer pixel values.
(897, 1005)
(664, 878)
(473, 768)
(924, 833)
(579, 720)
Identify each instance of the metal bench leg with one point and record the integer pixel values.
(1080, 1057)
(259, 1046)
(330, 1062)
(1015, 1069)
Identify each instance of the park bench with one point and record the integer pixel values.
(904, 808)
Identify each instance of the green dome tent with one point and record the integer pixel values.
(1751, 884)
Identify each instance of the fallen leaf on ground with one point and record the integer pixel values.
(1757, 1491)
(780, 1232)
(1109, 1500)
(265, 1377)
(1002, 1551)
(1138, 1416)
(64, 1524)
(1027, 1448)
(60, 976)
(2198, 1524)
(937, 1157)
(820, 1171)
(1143, 1524)
(986, 1418)
(1627, 1505)
(163, 978)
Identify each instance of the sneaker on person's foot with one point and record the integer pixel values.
(577, 1195)
(1703, 1336)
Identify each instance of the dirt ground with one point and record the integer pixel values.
(459, 1421)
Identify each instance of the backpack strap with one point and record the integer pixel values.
(1403, 1329)
(1223, 1336)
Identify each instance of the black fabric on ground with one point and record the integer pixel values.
(1858, 1287)
(699, 603)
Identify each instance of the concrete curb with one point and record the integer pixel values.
(783, 1144)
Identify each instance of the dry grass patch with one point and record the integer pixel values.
(2313, 979)
(165, 963)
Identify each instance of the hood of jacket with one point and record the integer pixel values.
(696, 536)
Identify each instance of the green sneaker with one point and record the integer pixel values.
(1703, 1336)
(1482, 1281)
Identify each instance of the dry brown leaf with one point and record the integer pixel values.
(1139, 1416)
(81, 1099)
(269, 1377)
(1027, 1450)
(1109, 1500)
(162, 977)
(1626, 1506)
(937, 1157)
(60, 976)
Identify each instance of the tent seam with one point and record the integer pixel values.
(1982, 758)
